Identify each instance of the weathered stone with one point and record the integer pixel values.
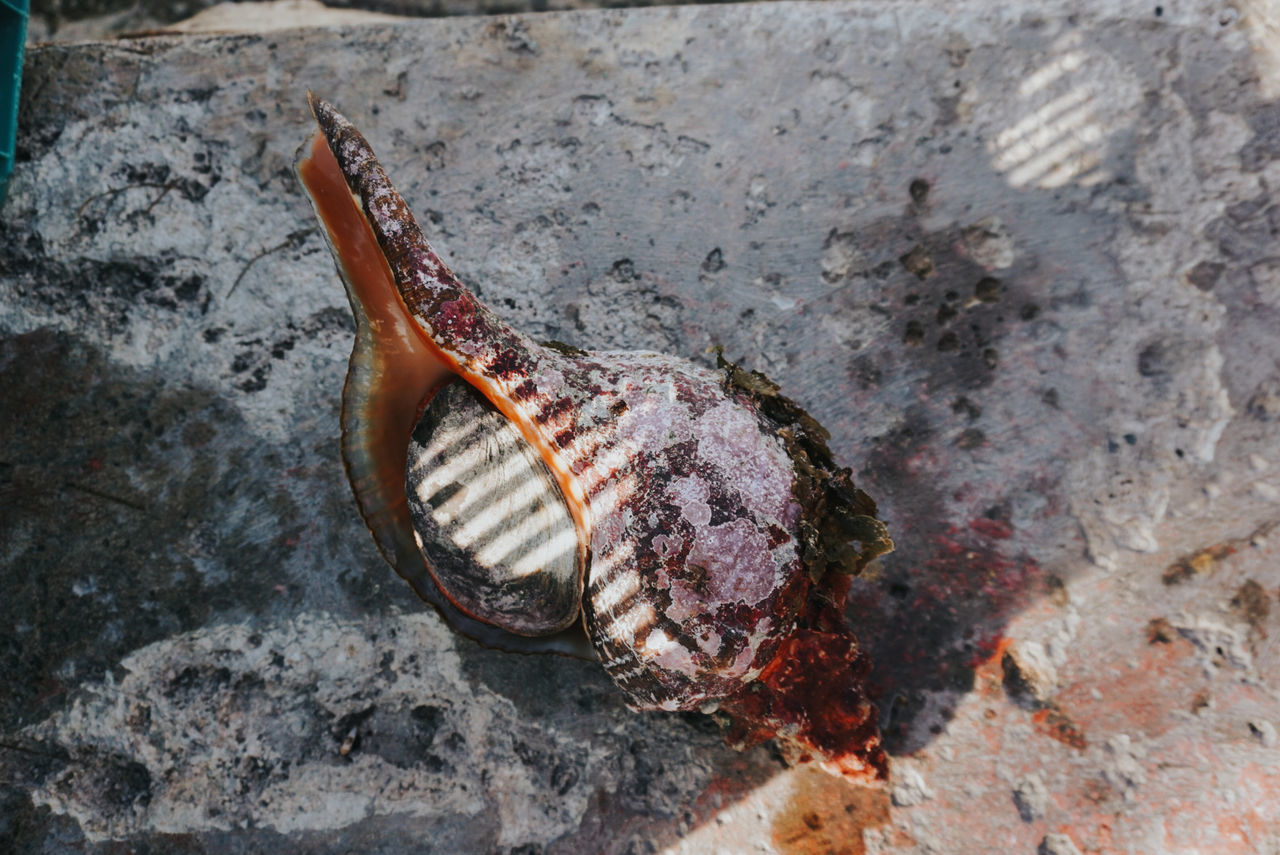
(1030, 677)
(184, 570)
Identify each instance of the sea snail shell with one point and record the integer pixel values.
(692, 520)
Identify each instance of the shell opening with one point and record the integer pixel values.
(490, 517)
(394, 375)
(392, 369)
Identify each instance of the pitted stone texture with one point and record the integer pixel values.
(1056, 413)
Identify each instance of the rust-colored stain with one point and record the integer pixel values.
(988, 658)
(1160, 631)
(988, 654)
(1150, 692)
(1203, 561)
(826, 816)
(1056, 724)
(1096, 837)
(1253, 604)
(1197, 563)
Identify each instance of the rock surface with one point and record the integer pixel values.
(1020, 261)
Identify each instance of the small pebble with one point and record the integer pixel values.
(909, 788)
(1029, 675)
(1265, 731)
(1031, 797)
(1057, 844)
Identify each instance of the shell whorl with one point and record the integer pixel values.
(693, 507)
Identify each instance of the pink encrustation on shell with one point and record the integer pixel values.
(713, 531)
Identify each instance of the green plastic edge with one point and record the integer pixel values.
(13, 37)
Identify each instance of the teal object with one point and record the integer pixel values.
(13, 38)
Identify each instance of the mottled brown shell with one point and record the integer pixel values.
(712, 530)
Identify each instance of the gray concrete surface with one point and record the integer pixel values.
(1020, 261)
(85, 20)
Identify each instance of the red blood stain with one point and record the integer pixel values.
(1056, 724)
(818, 668)
(936, 620)
(998, 529)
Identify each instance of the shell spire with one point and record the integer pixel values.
(461, 326)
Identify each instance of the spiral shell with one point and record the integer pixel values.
(691, 519)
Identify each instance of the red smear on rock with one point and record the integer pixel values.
(998, 529)
(930, 624)
(1056, 724)
(1150, 692)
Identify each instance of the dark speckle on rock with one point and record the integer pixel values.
(918, 261)
(914, 334)
(714, 262)
(1205, 274)
(987, 290)
(966, 407)
(919, 190)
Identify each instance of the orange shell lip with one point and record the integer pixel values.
(393, 372)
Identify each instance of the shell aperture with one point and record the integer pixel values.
(490, 517)
(693, 516)
(392, 375)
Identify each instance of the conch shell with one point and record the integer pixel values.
(691, 521)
